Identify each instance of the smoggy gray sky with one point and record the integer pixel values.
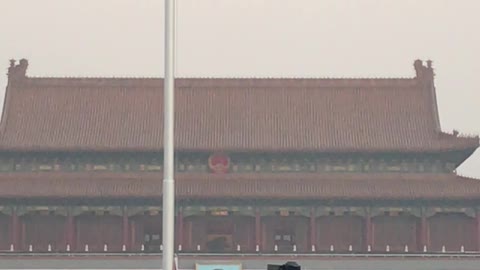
(259, 38)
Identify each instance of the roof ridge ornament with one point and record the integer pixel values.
(17, 71)
(424, 72)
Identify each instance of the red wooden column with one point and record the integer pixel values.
(70, 231)
(477, 219)
(133, 240)
(368, 230)
(258, 229)
(23, 234)
(125, 235)
(15, 230)
(423, 241)
(188, 234)
(180, 227)
(313, 228)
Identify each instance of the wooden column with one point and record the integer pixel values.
(125, 235)
(70, 232)
(368, 231)
(313, 228)
(14, 230)
(188, 244)
(23, 234)
(133, 240)
(258, 229)
(423, 241)
(477, 219)
(180, 227)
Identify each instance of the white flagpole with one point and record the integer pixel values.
(168, 154)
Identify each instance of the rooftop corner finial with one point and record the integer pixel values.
(418, 64)
(419, 68)
(16, 71)
(424, 72)
(23, 62)
(11, 67)
(429, 63)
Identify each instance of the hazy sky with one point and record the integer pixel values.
(260, 38)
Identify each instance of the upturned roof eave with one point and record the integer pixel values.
(472, 146)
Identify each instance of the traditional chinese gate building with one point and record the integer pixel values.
(286, 165)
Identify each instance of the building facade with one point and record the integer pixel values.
(262, 166)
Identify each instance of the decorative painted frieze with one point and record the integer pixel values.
(395, 211)
(340, 211)
(218, 211)
(285, 211)
(469, 211)
(226, 211)
(222, 163)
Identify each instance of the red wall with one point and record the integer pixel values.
(145, 224)
(244, 234)
(298, 224)
(452, 231)
(198, 234)
(196, 230)
(340, 231)
(395, 231)
(99, 230)
(4, 232)
(42, 230)
(449, 229)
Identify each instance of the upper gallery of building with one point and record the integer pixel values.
(228, 115)
(363, 127)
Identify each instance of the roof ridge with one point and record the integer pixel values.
(150, 82)
(457, 134)
(464, 176)
(224, 77)
(422, 72)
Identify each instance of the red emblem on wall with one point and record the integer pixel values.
(219, 163)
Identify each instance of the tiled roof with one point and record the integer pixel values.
(325, 186)
(328, 115)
